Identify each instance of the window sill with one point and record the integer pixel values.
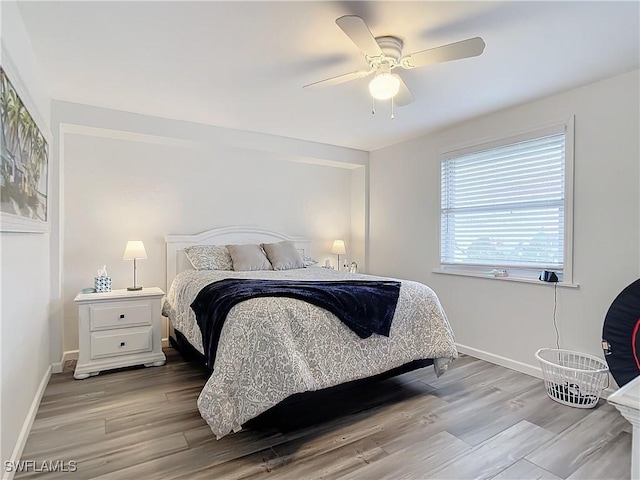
(461, 273)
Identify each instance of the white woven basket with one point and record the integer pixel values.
(572, 378)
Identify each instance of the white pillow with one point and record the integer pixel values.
(209, 257)
(308, 261)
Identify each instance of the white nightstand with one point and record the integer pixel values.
(119, 329)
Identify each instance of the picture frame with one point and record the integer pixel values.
(24, 157)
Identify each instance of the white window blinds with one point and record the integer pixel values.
(504, 207)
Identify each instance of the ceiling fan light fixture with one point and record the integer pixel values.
(384, 86)
(384, 54)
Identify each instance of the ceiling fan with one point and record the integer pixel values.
(384, 54)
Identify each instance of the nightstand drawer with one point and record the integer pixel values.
(121, 342)
(120, 314)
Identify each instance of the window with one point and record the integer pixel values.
(504, 206)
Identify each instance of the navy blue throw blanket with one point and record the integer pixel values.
(366, 307)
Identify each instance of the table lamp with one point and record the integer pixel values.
(338, 249)
(134, 251)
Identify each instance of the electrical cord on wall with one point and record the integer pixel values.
(555, 308)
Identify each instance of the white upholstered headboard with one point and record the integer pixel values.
(238, 235)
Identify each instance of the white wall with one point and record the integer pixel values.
(25, 261)
(357, 251)
(507, 321)
(132, 177)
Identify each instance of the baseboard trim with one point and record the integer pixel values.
(607, 391)
(28, 423)
(165, 342)
(69, 355)
(519, 366)
(502, 361)
(58, 367)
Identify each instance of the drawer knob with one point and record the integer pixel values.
(122, 344)
(121, 316)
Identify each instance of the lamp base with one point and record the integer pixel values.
(133, 289)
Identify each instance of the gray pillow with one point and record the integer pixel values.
(248, 257)
(209, 257)
(308, 261)
(283, 255)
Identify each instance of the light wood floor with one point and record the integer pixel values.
(477, 421)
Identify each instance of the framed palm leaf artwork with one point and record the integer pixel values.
(24, 158)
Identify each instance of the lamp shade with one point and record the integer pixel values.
(338, 247)
(134, 250)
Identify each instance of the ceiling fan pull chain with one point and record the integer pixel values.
(392, 116)
(373, 106)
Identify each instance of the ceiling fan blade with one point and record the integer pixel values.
(347, 77)
(359, 33)
(404, 96)
(454, 51)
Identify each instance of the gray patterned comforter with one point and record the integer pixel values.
(274, 347)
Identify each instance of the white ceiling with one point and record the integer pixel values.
(243, 64)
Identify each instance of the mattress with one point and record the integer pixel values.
(273, 347)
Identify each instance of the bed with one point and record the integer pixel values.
(272, 348)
